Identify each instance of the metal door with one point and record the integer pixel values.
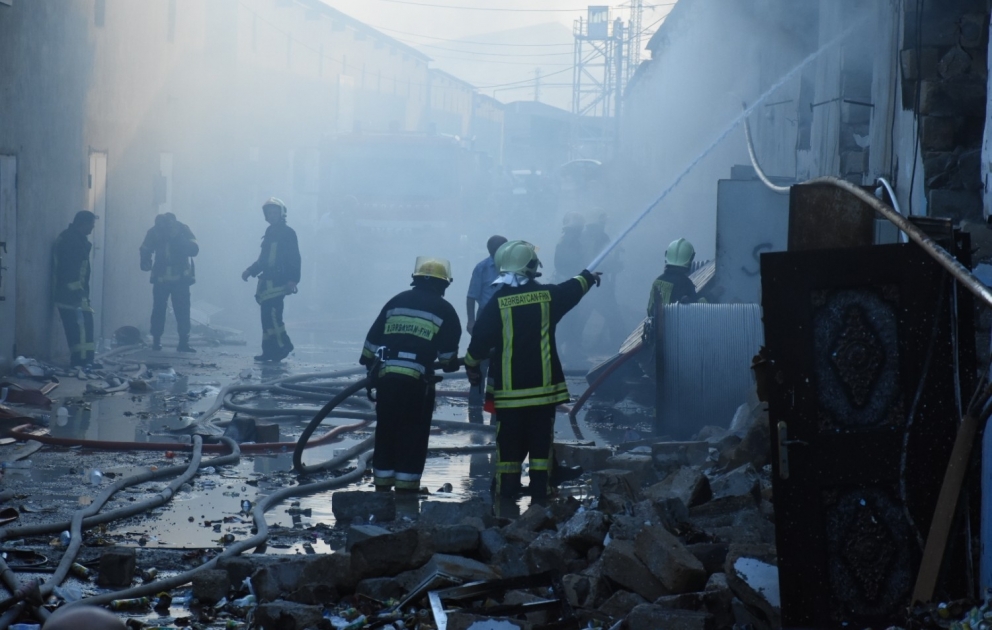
(8, 258)
(98, 205)
(863, 416)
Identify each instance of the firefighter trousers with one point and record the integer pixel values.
(523, 432)
(78, 325)
(275, 341)
(179, 292)
(403, 410)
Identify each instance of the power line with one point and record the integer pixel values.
(499, 9)
(494, 54)
(466, 41)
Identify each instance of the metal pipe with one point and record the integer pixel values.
(915, 234)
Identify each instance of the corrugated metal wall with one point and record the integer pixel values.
(705, 364)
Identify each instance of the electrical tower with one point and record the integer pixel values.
(634, 51)
(593, 75)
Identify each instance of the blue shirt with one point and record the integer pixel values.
(480, 287)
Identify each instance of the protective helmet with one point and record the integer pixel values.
(573, 220)
(517, 257)
(278, 203)
(432, 268)
(680, 253)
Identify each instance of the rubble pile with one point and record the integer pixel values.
(672, 535)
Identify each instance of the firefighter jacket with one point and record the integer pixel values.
(278, 264)
(415, 328)
(173, 255)
(671, 287)
(71, 270)
(519, 322)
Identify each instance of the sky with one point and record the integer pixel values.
(493, 42)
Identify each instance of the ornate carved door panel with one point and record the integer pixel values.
(863, 414)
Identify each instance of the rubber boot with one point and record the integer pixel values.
(184, 345)
(156, 343)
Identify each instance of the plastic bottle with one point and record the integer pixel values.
(24, 626)
(95, 477)
(129, 604)
(62, 417)
(64, 538)
(20, 463)
(166, 376)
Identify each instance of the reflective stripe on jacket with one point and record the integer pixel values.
(519, 322)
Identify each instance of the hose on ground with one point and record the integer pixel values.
(301, 444)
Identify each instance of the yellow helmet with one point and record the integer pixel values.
(680, 253)
(517, 257)
(432, 268)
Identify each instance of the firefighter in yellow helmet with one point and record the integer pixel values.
(674, 285)
(415, 329)
(278, 271)
(520, 322)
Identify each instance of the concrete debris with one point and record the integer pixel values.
(117, 567)
(348, 506)
(668, 560)
(652, 617)
(752, 575)
(209, 587)
(283, 615)
(689, 485)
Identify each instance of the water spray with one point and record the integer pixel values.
(733, 125)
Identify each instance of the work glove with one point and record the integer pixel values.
(594, 277)
(474, 375)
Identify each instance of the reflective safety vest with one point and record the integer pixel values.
(278, 263)
(519, 322)
(672, 286)
(71, 270)
(416, 328)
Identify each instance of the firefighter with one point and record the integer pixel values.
(167, 252)
(519, 322)
(71, 287)
(414, 329)
(480, 291)
(278, 271)
(673, 285)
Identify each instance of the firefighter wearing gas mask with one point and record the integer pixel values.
(415, 329)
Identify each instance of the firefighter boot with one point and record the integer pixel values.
(184, 345)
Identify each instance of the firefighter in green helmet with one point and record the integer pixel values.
(673, 285)
(527, 377)
(415, 329)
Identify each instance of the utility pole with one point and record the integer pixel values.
(618, 53)
(636, 20)
(537, 85)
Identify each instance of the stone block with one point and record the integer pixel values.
(751, 526)
(362, 532)
(619, 482)
(589, 457)
(641, 465)
(525, 528)
(652, 617)
(752, 576)
(958, 205)
(938, 133)
(380, 589)
(960, 97)
(283, 615)
(972, 29)
(614, 504)
(548, 553)
(690, 453)
(584, 530)
(355, 504)
(510, 562)
(720, 512)
(622, 566)
(954, 63)
(755, 446)
(304, 579)
(267, 432)
(741, 481)
(561, 511)
(668, 560)
(385, 555)
(455, 539)
(713, 556)
(539, 618)
(116, 567)
(584, 591)
(689, 485)
(240, 567)
(467, 621)
(619, 604)
(211, 586)
(490, 542)
(452, 513)
(929, 59)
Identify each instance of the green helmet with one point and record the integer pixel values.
(680, 253)
(517, 257)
